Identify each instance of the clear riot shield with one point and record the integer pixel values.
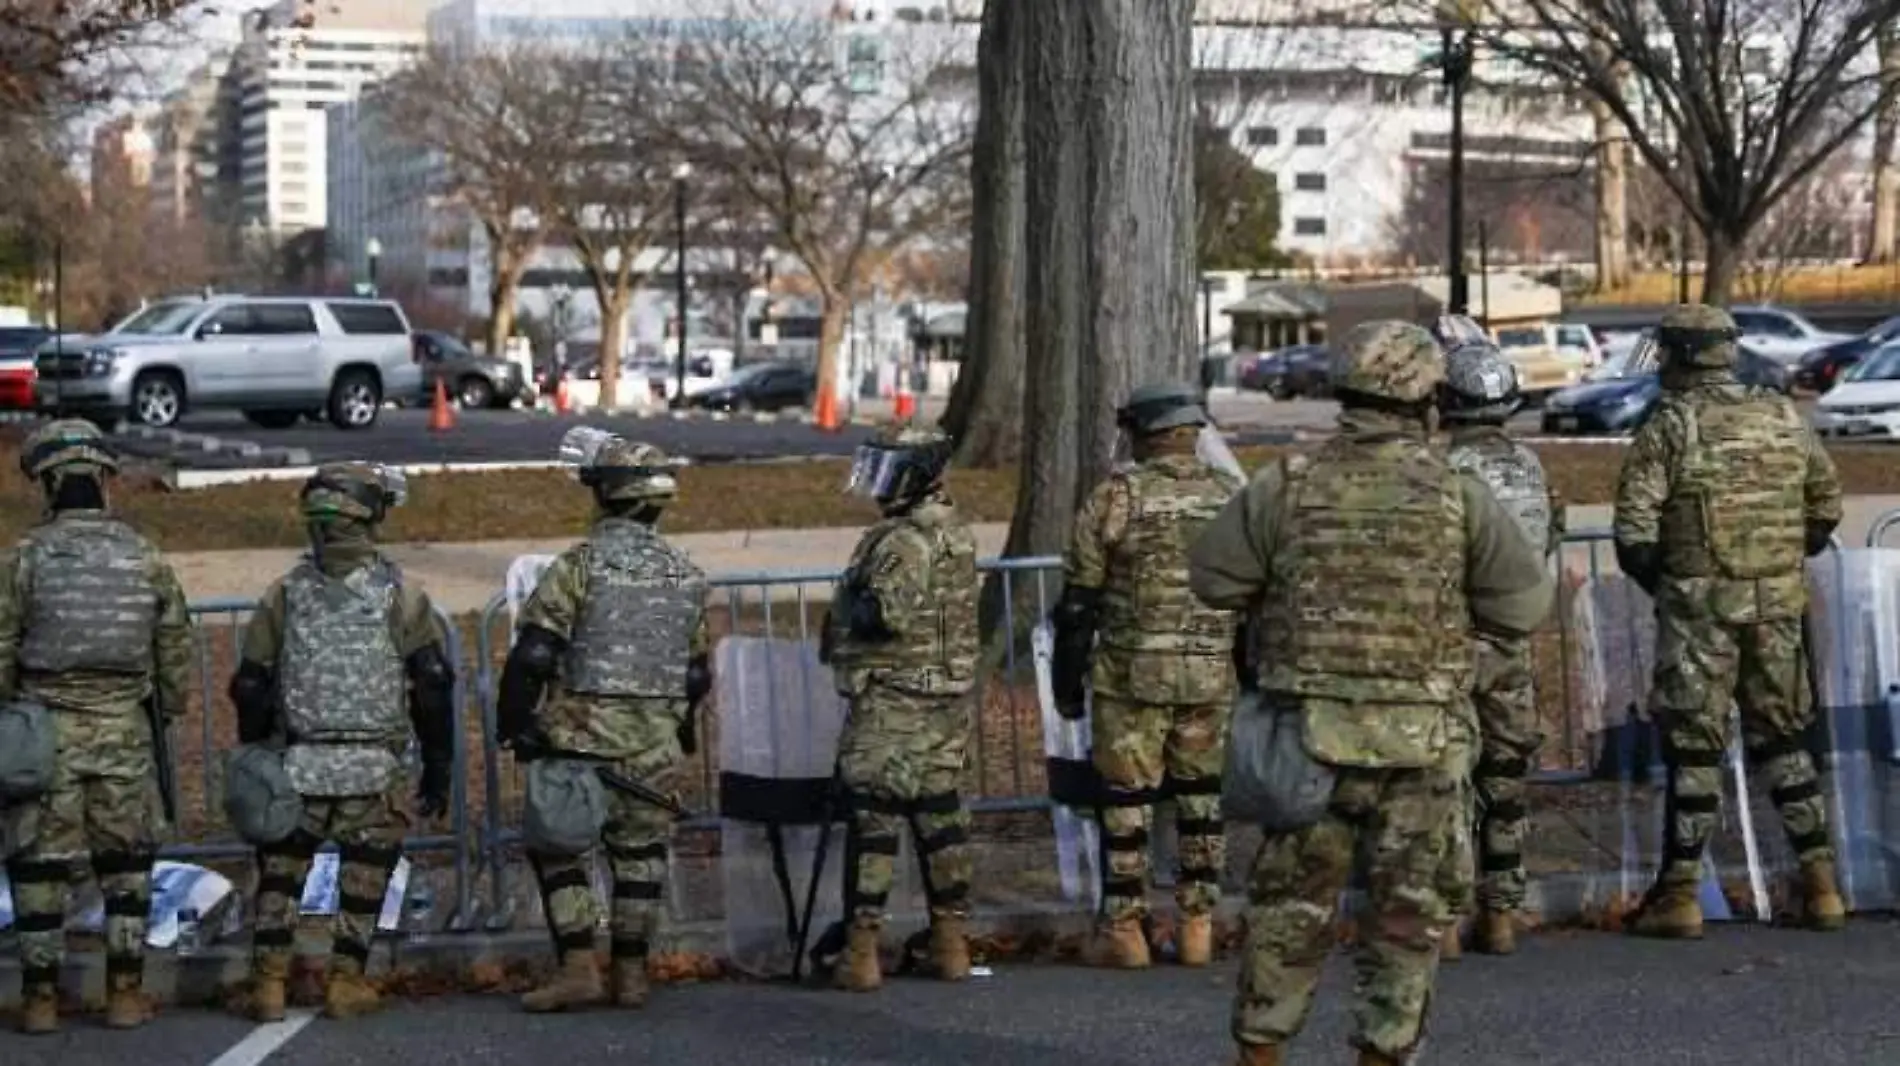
(1067, 746)
(780, 718)
(524, 575)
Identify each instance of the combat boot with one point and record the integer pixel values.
(348, 994)
(1821, 904)
(1669, 912)
(126, 1006)
(1497, 932)
(272, 973)
(1259, 1055)
(1119, 945)
(1194, 943)
(39, 1009)
(949, 949)
(630, 983)
(858, 971)
(1451, 943)
(575, 984)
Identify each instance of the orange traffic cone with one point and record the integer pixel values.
(560, 395)
(904, 407)
(441, 416)
(826, 416)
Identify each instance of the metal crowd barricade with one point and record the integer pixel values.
(214, 711)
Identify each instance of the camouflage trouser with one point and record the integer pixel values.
(635, 840)
(1404, 822)
(98, 814)
(901, 758)
(1137, 747)
(1507, 721)
(1700, 666)
(368, 832)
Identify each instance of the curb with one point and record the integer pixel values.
(786, 416)
(172, 441)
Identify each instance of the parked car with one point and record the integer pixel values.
(474, 381)
(17, 345)
(1299, 370)
(758, 387)
(1620, 399)
(1542, 366)
(1866, 400)
(1781, 334)
(1821, 368)
(1567, 340)
(271, 357)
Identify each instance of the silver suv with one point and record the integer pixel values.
(274, 358)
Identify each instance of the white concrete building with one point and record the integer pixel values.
(298, 58)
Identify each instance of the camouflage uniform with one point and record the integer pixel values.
(327, 664)
(1369, 560)
(93, 625)
(901, 639)
(1481, 394)
(616, 634)
(1161, 676)
(1723, 493)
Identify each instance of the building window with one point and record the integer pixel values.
(1309, 227)
(1263, 137)
(301, 168)
(1309, 182)
(1310, 137)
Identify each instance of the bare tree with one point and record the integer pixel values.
(46, 46)
(853, 145)
(1820, 220)
(500, 123)
(1752, 95)
(1886, 179)
(612, 194)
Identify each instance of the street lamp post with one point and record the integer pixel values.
(680, 174)
(373, 249)
(1207, 329)
(1454, 34)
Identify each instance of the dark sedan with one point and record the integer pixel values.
(1821, 368)
(16, 365)
(759, 387)
(1617, 401)
(1301, 370)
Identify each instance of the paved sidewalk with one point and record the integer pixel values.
(462, 576)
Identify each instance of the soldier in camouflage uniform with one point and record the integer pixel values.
(93, 626)
(1724, 492)
(341, 661)
(1161, 679)
(1480, 394)
(615, 637)
(1369, 560)
(901, 639)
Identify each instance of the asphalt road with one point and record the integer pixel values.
(1744, 997)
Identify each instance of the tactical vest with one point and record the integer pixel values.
(937, 654)
(92, 604)
(341, 677)
(1515, 476)
(644, 600)
(1147, 606)
(1365, 599)
(1737, 506)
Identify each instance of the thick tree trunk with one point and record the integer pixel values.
(1722, 257)
(503, 284)
(831, 322)
(1613, 252)
(985, 413)
(1110, 282)
(1886, 230)
(613, 313)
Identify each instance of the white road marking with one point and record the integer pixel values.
(265, 1039)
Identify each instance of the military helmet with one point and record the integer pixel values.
(1160, 406)
(1389, 360)
(625, 471)
(360, 491)
(902, 461)
(1698, 335)
(64, 444)
(1480, 384)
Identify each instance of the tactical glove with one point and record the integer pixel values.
(1643, 564)
(432, 797)
(1817, 534)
